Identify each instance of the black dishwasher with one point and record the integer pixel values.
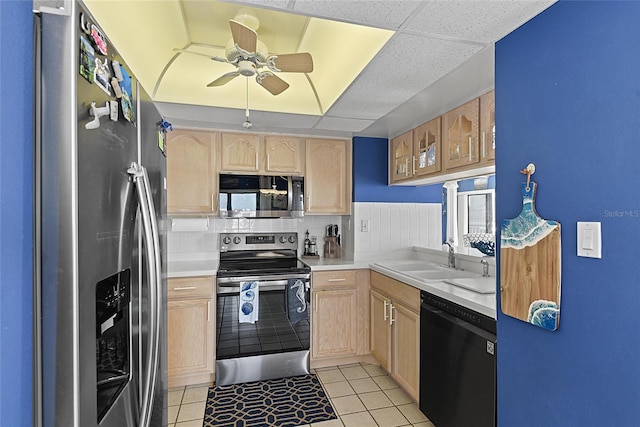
(457, 364)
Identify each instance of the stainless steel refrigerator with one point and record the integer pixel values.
(100, 294)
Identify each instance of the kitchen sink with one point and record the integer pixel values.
(481, 285)
(407, 265)
(439, 273)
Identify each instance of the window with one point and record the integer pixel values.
(470, 214)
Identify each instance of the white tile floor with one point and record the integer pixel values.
(361, 394)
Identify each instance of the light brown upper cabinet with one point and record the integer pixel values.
(401, 157)
(283, 154)
(192, 179)
(327, 185)
(244, 152)
(426, 148)
(488, 127)
(416, 153)
(240, 152)
(460, 145)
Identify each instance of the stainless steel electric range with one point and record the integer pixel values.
(263, 307)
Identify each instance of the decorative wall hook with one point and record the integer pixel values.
(97, 112)
(166, 126)
(529, 170)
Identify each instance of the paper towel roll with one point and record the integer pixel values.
(190, 224)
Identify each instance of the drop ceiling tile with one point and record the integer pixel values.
(384, 14)
(342, 124)
(408, 65)
(482, 21)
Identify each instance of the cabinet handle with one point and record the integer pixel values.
(414, 165)
(385, 309)
(336, 280)
(209, 311)
(257, 168)
(470, 151)
(315, 304)
(406, 167)
(391, 318)
(484, 144)
(213, 208)
(184, 288)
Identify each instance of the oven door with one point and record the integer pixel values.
(282, 322)
(274, 344)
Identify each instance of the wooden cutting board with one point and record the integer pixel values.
(530, 264)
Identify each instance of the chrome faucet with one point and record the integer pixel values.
(451, 262)
(485, 268)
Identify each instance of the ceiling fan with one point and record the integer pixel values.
(250, 56)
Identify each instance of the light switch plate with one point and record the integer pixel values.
(589, 240)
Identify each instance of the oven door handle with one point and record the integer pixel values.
(263, 285)
(279, 278)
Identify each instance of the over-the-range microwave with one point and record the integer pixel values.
(261, 196)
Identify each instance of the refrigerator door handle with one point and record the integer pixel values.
(150, 231)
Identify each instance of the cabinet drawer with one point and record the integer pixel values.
(396, 290)
(190, 287)
(334, 278)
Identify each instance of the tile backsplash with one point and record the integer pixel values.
(391, 226)
(395, 226)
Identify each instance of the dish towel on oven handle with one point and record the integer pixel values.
(295, 300)
(249, 302)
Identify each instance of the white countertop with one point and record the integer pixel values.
(482, 303)
(207, 267)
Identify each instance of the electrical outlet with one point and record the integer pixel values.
(364, 225)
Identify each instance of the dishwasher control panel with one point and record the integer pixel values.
(480, 320)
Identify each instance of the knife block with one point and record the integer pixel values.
(331, 248)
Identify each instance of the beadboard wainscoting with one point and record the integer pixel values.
(394, 226)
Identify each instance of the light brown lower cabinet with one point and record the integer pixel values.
(339, 316)
(335, 325)
(395, 330)
(190, 331)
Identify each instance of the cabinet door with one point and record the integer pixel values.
(488, 127)
(190, 337)
(283, 154)
(334, 323)
(380, 329)
(401, 157)
(328, 176)
(240, 152)
(460, 135)
(426, 148)
(192, 181)
(406, 348)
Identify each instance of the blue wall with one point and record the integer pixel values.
(16, 212)
(568, 100)
(370, 166)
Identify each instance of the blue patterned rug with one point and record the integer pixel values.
(285, 402)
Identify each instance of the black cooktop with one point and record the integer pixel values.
(260, 263)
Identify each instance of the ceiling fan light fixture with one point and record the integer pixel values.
(247, 68)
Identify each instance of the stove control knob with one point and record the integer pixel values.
(283, 239)
(292, 239)
(226, 240)
(237, 240)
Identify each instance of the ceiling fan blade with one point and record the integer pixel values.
(243, 36)
(272, 83)
(294, 62)
(224, 79)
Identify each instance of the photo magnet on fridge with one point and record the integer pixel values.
(101, 75)
(87, 58)
(125, 101)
